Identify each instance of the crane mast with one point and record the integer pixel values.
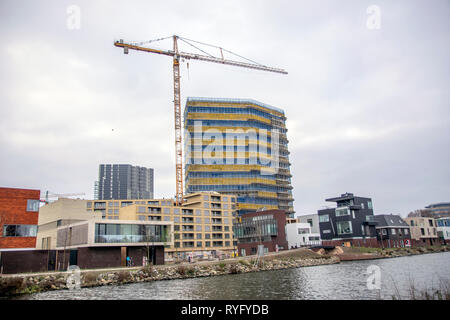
(176, 91)
(177, 111)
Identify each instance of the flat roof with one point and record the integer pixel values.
(231, 100)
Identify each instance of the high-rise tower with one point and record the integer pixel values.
(124, 181)
(238, 146)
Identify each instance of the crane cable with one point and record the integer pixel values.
(210, 45)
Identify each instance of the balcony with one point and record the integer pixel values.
(370, 220)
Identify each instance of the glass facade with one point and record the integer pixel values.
(131, 233)
(245, 173)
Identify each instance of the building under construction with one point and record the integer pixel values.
(238, 147)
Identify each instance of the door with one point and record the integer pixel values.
(73, 258)
(51, 258)
(123, 256)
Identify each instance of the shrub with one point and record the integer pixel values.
(181, 270)
(243, 262)
(147, 270)
(89, 278)
(234, 268)
(190, 272)
(222, 265)
(10, 286)
(124, 276)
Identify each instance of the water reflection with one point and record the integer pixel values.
(347, 280)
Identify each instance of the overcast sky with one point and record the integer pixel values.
(366, 97)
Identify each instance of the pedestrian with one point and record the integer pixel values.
(128, 261)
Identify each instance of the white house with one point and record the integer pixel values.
(300, 234)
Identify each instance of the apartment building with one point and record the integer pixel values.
(203, 224)
(423, 230)
(124, 181)
(238, 147)
(263, 228)
(59, 213)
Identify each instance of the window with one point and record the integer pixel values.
(362, 205)
(412, 223)
(344, 227)
(324, 218)
(369, 205)
(167, 210)
(406, 232)
(33, 205)
(310, 221)
(140, 209)
(384, 232)
(429, 221)
(19, 230)
(342, 212)
(303, 230)
(392, 231)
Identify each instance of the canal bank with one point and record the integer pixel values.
(31, 283)
(18, 284)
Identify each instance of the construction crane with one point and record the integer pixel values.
(177, 55)
(49, 194)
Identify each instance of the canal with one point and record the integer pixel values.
(347, 280)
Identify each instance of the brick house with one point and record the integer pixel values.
(19, 211)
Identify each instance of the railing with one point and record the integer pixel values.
(130, 239)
